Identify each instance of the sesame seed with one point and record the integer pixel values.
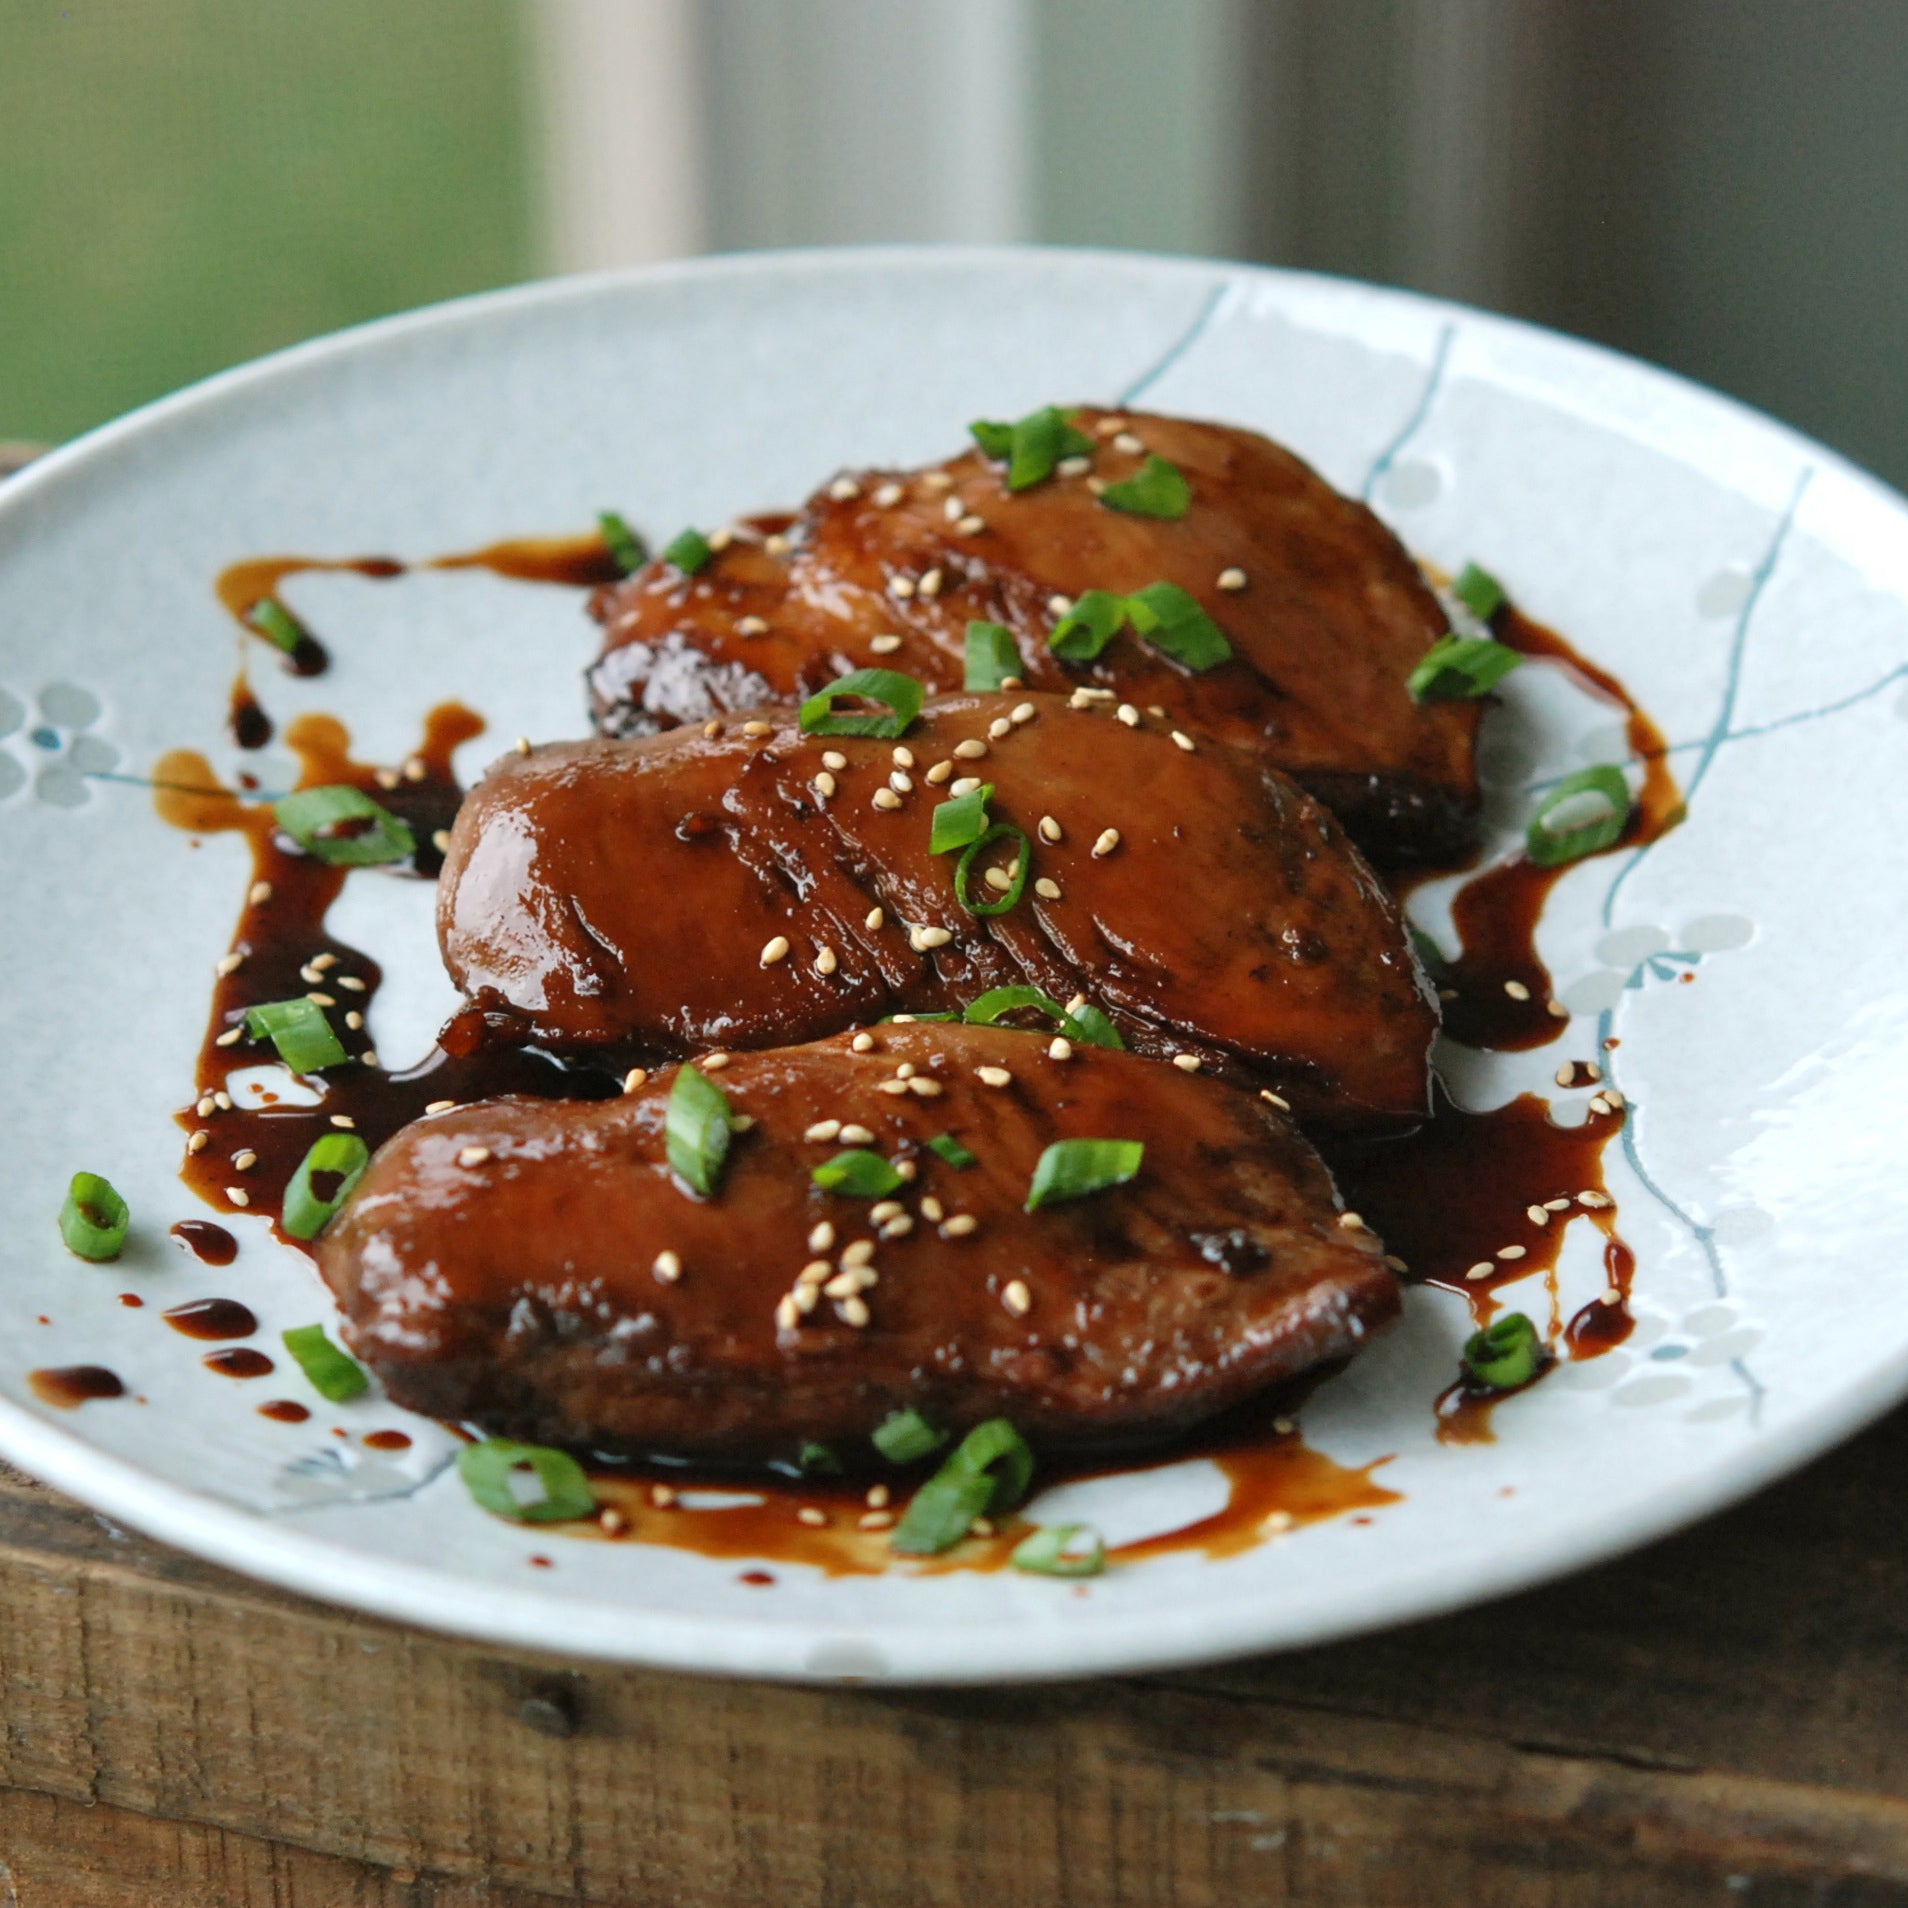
(775, 950)
(1109, 427)
(980, 1527)
(199, 1141)
(367, 1058)
(230, 1037)
(1566, 1075)
(787, 1313)
(1017, 1299)
(310, 973)
(891, 1086)
(901, 1020)
(668, 1267)
(857, 1252)
(932, 1210)
(260, 893)
(229, 964)
(852, 1311)
(324, 961)
(824, 784)
(1281, 1520)
(751, 626)
(888, 496)
(1481, 1270)
(776, 545)
(352, 983)
(223, 1101)
(1182, 740)
(1128, 714)
(712, 729)
(1080, 700)
(1537, 1215)
(965, 785)
(843, 489)
(1232, 579)
(998, 879)
(354, 1021)
(923, 940)
(741, 1122)
(1012, 682)
(926, 1089)
(856, 1135)
(758, 729)
(386, 778)
(1598, 1104)
(1108, 841)
(863, 1043)
(238, 1195)
(1126, 441)
(472, 1155)
(901, 587)
(951, 509)
(971, 750)
(822, 1237)
(1022, 712)
(808, 1514)
(1510, 1252)
(1075, 466)
(886, 798)
(815, 1272)
(903, 757)
(1050, 830)
(1556, 1205)
(1097, 485)
(820, 1133)
(345, 1121)
(1353, 1222)
(1517, 990)
(959, 1226)
(993, 1076)
(930, 585)
(1059, 606)
(1613, 1096)
(1047, 889)
(999, 729)
(901, 781)
(1557, 1009)
(898, 1227)
(825, 962)
(719, 540)
(207, 1106)
(714, 1062)
(523, 745)
(884, 645)
(939, 773)
(1397, 1264)
(971, 525)
(885, 1209)
(834, 759)
(440, 840)
(444, 1106)
(874, 1520)
(906, 1070)
(906, 1169)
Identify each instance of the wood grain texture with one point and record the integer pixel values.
(1714, 1721)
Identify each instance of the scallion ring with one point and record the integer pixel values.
(817, 1460)
(325, 1179)
(1023, 867)
(1094, 620)
(94, 1219)
(277, 625)
(905, 1436)
(947, 1147)
(1171, 620)
(696, 1129)
(311, 814)
(1086, 1025)
(1461, 668)
(990, 1469)
(1071, 1169)
(688, 552)
(1032, 445)
(495, 1471)
(1159, 489)
(1479, 591)
(300, 1032)
(992, 656)
(1584, 814)
(1061, 1550)
(627, 550)
(957, 823)
(1505, 1354)
(859, 1174)
(902, 695)
(331, 1373)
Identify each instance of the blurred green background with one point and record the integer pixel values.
(189, 183)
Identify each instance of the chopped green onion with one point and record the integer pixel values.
(1461, 668)
(276, 624)
(1160, 490)
(1584, 814)
(904, 1436)
(1070, 1169)
(992, 655)
(1033, 445)
(902, 695)
(330, 1372)
(94, 1219)
(1087, 1025)
(309, 815)
(299, 1030)
(1171, 620)
(627, 550)
(1479, 591)
(1062, 1550)
(961, 821)
(696, 1129)
(1086, 629)
(858, 1173)
(1506, 1354)
(307, 1211)
(967, 1486)
(1000, 831)
(817, 1460)
(491, 1471)
(924, 1018)
(688, 552)
(951, 1150)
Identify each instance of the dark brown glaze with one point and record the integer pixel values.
(207, 1241)
(619, 896)
(1496, 912)
(285, 1411)
(67, 1387)
(387, 1440)
(578, 562)
(1332, 619)
(496, 1262)
(212, 1318)
(239, 1361)
(1325, 580)
(131, 1300)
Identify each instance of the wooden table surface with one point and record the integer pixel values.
(1718, 1719)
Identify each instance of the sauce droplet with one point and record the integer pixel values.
(67, 1387)
(285, 1411)
(212, 1318)
(210, 1244)
(240, 1361)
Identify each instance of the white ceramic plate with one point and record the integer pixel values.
(1750, 587)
